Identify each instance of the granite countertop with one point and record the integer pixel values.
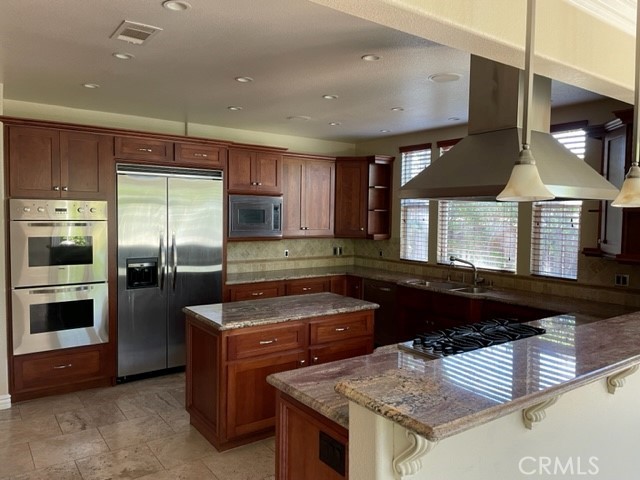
(439, 398)
(589, 310)
(250, 313)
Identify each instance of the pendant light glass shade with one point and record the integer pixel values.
(524, 184)
(629, 195)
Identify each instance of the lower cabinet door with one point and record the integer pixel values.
(341, 350)
(251, 401)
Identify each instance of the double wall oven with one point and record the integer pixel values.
(59, 291)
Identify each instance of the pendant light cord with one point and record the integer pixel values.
(528, 69)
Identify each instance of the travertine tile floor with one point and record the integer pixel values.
(134, 430)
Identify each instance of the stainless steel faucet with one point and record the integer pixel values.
(476, 279)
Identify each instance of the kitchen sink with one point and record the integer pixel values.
(435, 284)
(472, 290)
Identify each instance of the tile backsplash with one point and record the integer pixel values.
(595, 280)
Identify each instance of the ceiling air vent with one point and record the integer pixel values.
(136, 33)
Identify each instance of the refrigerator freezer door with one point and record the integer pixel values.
(194, 254)
(142, 220)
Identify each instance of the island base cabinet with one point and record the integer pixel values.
(251, 400)
(308, 445)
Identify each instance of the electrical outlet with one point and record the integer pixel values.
(339, 250)
(286, 253)
(621, 280)
(380, 252)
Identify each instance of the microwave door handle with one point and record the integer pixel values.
(174, 249)
(161, 266)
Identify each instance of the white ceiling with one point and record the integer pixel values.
(296, 51)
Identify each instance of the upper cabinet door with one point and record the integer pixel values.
(319, 194)
(84, 164)
(351, 198)
(34, 162)
(292, 197)
(254, 172)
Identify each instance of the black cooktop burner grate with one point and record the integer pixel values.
(465, 338)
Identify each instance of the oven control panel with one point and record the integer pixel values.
(42, 209)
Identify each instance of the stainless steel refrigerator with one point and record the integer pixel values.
(170, 227)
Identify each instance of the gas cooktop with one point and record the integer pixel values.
(465, 338)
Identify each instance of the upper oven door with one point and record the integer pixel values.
(58, 252)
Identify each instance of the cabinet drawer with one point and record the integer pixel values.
(265, 341)
(303, 286)
(205, 155)
(255, 290)
(37, 371)
(341, 350)
(341, 327)
(143, 149)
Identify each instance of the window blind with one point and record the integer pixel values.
(555, 237)
(485, 233)
(414, 213)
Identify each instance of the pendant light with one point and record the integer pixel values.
(629, 195)
(525, 184)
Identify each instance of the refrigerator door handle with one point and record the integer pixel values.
(161, 265)
(174, 249)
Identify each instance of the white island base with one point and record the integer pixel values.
(588, 433)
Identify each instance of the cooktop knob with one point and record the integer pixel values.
(417, 342)
(26, 209)
(41, 209)
(92, 210)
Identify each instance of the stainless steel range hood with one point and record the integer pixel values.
(478, 167)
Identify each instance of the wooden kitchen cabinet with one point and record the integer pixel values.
(59, 371)
(309, 446)
(308, 196)
(387, 327)
(146, 149)
(51, 163)
(228, 397)
(353, 287)
(254, 172)
(200, 155)
(279, 288)
(363, 197)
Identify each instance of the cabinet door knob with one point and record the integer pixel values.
(56, 188)
(301, 363)
(315, 359)
(65, 189)
(259, 184)
(268, 342)
(362, 229)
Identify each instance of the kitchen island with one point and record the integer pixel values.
(232, 348)
(481, 414)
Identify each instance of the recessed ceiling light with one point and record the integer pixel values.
(335, 124)
(303, 118)
(123, 56)
(370, 57)
(234, 108)
(454, 119)
(244, 79)
(329, 97)
(397, 109)
(90, 85)
(444, 77)
(176, 5)
(385, 131)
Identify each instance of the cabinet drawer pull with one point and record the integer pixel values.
(257, 294)
(384, 289)
(60, 367)
(342, 329)
(56, 188)
(203, 155)
(268, 342)
(306, 289)
(148, 150)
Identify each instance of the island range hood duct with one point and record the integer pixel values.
(478, 167)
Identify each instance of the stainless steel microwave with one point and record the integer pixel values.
(255, 216)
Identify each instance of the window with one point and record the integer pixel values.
(555, 238)
(414, 213)
(485, 233)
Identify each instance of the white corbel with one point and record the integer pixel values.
(536, 413)
(409, 462)
(617, 379)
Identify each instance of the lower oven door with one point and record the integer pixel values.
(49, 318)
